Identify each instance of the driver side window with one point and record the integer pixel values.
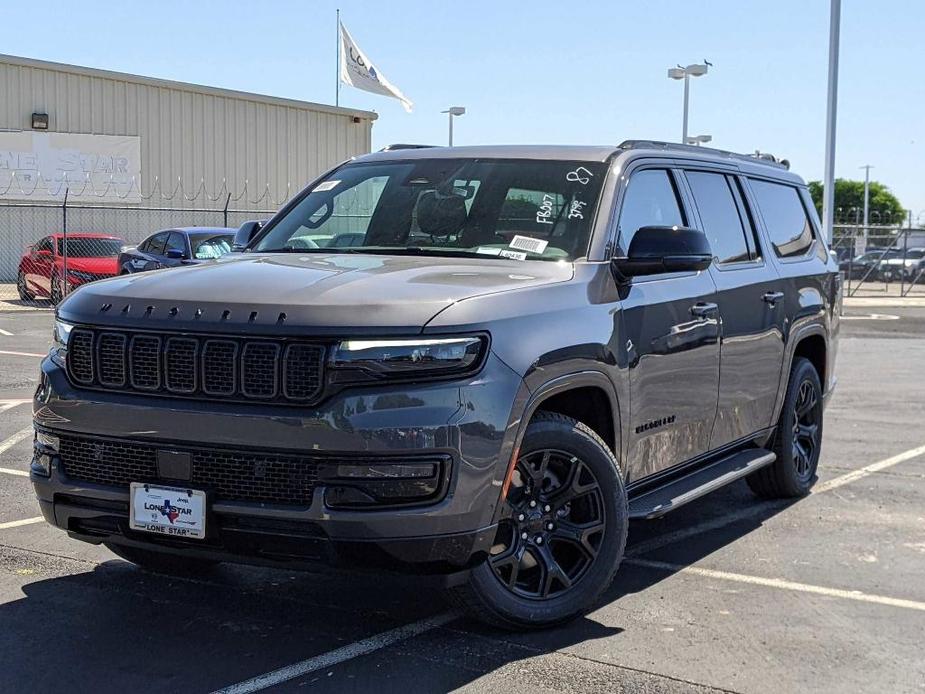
(650, 200)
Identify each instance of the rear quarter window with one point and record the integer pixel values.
(784, 217)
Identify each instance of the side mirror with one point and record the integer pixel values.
(175, 254)
(658, 249)
(245, 234)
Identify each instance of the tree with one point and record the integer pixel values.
(885, 208)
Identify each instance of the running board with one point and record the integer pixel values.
(661, 500)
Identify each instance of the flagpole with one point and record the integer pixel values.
(337, 72)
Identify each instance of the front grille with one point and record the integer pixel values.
(197, 366)
(232, 475)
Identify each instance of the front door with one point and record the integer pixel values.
(751, 308)
(670, 328)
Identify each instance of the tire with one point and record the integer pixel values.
(578, 475)
(798, 439)
(163, 563)
(54, 293)
(24, 293)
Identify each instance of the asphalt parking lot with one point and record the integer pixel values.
(727, 594)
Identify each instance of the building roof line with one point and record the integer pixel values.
(184, 86)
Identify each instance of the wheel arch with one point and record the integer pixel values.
(811, 342)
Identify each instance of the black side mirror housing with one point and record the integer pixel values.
(658, 249)
(245, 233)
(175, 254)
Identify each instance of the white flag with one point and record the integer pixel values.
(357, 71)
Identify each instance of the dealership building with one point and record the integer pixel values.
(134, 154)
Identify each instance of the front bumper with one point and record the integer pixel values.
(464, 422)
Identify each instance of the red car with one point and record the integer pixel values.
(90, 257)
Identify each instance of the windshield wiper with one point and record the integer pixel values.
(421, 250)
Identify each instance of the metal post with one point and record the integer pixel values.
(867, 168)
(225, 211)
(63, 245)
(687, 88)
(337, 72)
(450, 116)
(831, 111)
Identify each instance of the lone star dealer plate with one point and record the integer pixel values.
(168, 510)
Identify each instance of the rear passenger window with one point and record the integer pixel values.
(650, 200)
(720, 216)
(784, 216)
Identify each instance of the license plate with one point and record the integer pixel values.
(168, 511)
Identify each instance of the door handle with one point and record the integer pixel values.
(702, 309)
(772, 298)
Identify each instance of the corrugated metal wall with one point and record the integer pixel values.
(194, 133)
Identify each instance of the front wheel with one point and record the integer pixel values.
(563, 533)
(798, 439)
(22, 288)
(55, 292)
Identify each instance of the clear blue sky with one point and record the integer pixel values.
(542, 71)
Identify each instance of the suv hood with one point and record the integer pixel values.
(311, 293)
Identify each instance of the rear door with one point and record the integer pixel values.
(670, 327)
(750, 296)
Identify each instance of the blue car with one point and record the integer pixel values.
(174, 247)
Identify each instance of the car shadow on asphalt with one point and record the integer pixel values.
(112, 627)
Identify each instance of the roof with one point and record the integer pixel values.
(545, 152)
(183, 86)
(204, 230)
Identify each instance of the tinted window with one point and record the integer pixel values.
(90, 248)
(44, 245)
(719, 215)
(784, 216)
(155, 244)
(650, 200)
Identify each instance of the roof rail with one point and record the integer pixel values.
(761, 157)
(392, 148)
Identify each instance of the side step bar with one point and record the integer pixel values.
(661, 500)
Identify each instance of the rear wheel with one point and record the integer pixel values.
(163, 563)
(798, 439)
(21, 287)
(562, 537)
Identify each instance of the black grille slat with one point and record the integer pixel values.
(145, 362)
(110, 364)
(282, 370)
(302, 371)
(260, 370)
(180, 364)
(80, 356)
(218, 367)
(231, 475)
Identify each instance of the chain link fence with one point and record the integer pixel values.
(881, 260)
(37, 266)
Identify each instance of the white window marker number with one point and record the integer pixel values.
(575, 210)
(580, 175)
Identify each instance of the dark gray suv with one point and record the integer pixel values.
(478, 361)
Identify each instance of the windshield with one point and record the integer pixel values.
(91, 248)
(518, 209)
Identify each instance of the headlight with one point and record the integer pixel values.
(375, 360)
(58, 353)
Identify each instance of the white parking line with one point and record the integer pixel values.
(21, 354)
(24, 521)
(7, 404)
(339, 655)
(758, 508)
(20, 435)
(6, 332)
(781, 584)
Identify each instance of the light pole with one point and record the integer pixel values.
(831, 113)
(864, 236)
(698, 140)
(454, 111)
(685, 73)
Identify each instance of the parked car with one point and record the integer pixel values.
(906, 265)
(866, 265)
(90, 257)
(531, 346)
(175, 247)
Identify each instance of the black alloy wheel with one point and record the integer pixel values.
(554, 526)
(807, 413)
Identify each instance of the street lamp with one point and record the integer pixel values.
(698, 140)
(685, 73)
(454, 111)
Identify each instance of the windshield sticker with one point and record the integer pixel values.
(513, 255)
(544, 212)
(527, 243)
(575, 209)
(327, 185)
(580, 175)
(485, 250)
